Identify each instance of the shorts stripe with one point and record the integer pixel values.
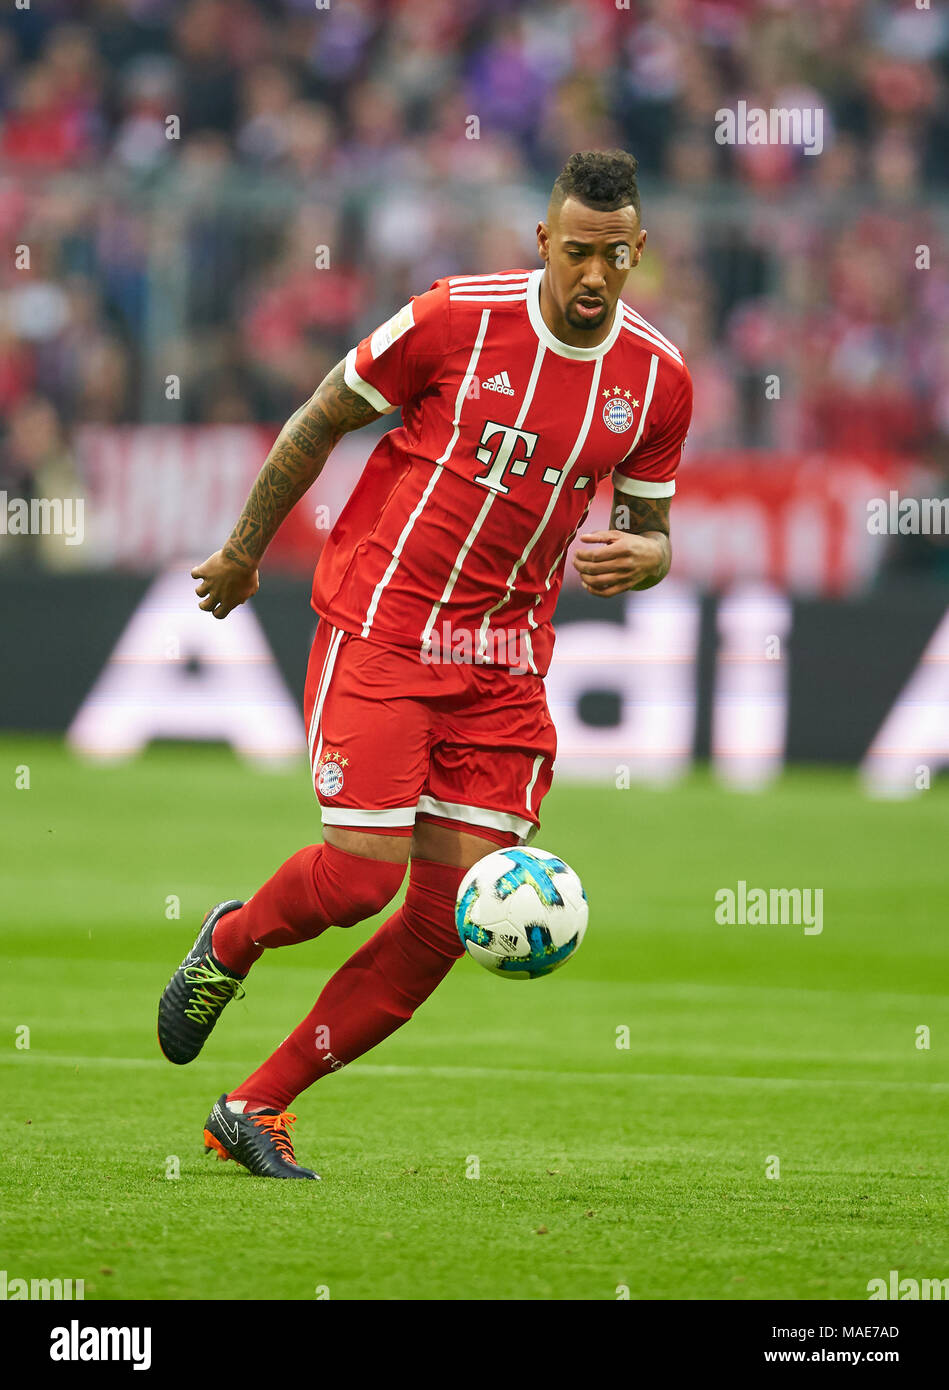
(530, 786)
(325, 677)
(475, 815)
(347, 815)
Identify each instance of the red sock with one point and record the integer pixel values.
(374, 993)
(319, 887)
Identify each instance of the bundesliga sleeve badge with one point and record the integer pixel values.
(618, 410)
(384, 337)
(330, 779)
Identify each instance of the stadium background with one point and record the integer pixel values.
(216, 201)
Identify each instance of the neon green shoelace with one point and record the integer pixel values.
(213, 992)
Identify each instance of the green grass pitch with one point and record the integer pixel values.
(601, 1167)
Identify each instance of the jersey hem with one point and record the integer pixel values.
(383, 637)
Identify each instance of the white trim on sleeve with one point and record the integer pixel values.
(643, 487)
(363, 388)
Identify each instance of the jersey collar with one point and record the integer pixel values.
(589, 354)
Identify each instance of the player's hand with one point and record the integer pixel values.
(224, 584)
(621, 560)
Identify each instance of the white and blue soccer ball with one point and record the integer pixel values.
(521, 913)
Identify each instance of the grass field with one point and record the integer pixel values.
(600, 1165)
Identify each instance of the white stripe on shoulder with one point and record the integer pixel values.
(503, 277)
(637, 323)
(644, 323)
(636, 320)
(631, 326)
(488, 298)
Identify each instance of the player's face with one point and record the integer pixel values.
(589, 255)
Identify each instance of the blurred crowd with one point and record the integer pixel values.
(206, 203)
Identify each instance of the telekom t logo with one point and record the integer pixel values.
(502, 458)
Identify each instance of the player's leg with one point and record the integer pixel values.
(338, 883)
(495, 783)
(369, 758)
(374, 993)
(382, 984)
(491, 764)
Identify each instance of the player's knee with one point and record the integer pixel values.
(372, 896)
(353, 888)
(429, 910)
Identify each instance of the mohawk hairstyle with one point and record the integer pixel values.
(601, 179)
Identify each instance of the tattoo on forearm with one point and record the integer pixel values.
(642, 516)
(639, 514)
(295, 461)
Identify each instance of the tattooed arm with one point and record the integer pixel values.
(229, 576)
(635, 554)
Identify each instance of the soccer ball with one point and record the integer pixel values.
(521, 913)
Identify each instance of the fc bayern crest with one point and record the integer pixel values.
(330, 780)
(617, 414)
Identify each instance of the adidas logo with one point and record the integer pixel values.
(500, 382)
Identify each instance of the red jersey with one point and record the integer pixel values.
(456, 534)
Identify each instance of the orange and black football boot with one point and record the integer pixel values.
(261, 1142)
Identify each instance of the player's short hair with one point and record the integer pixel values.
(601, 179)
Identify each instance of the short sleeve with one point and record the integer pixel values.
(403, 356)
(650, 467)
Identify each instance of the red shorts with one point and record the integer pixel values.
(391, 738)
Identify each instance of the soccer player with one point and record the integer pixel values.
(429, 735)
